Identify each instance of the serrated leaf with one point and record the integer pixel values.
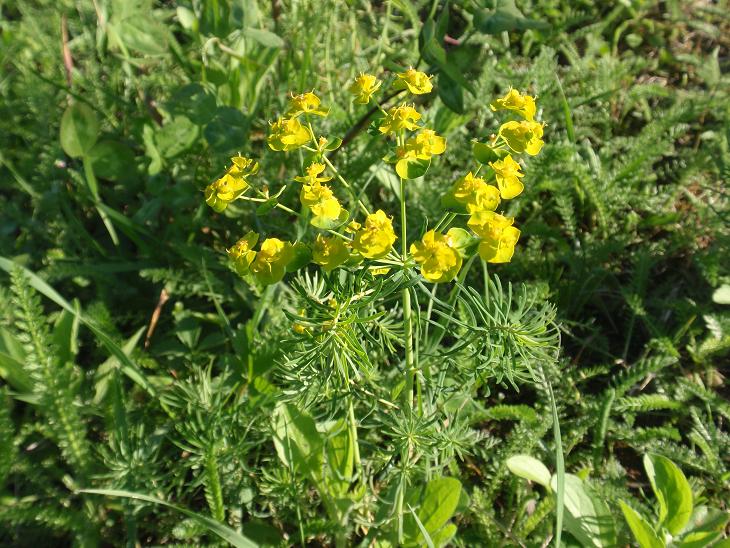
(79, 130)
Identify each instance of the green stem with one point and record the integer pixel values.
(340, 178)
(406, 296)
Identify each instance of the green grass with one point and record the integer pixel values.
(134, 360)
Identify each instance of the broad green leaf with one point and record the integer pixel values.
(187, 18)
(13, 372)
(341, 451)
(484, 153)
(195, 102)
(412, 168)
(461, 239)
(302, 256)
(504, 17)
(643, 533)
(224, 532)
(722, 294)
(672, 491)
(705, 526)
(529, 468)
(176, 136)
(588, 518)
(298, 442)
(79, 130)
(423, 532)
(228, 131)
(451, 93)
(325, 223)
(434, 53)
(113, 161)
(264, 37)
(438, 503)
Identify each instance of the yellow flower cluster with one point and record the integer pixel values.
(497, 235)
(439, 255)
(233, 184)
(268, 265)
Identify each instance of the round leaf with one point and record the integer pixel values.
(411, 168)
(79, 130)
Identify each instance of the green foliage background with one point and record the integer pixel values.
(625, 231)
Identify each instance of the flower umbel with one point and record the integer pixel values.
(423, 145)
(498, 236)
(437, 256)
(523, 136)
(287, 134)
(398, 118)
(474, 193)
(329, 252)
(508, 174)
(304, 103)
(415, 81)
(270, 263)
(524, 105)
(375, 239)
(220, 193)
(364, 87)
(321, 201)
(313, 171)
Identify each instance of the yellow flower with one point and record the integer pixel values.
(475, 193)
(242, 253)
(523, 136)
(437, 256)
(376, 238)
(304, 103)
(400, 117)
(222, 192)
(363, 88)
(498, 236)
(416, 81)
(514, 100)
(287, 134)
(329, 252)
(312, 176)
(422, 146)
(508, 177)
(243, 167)
(269, 266)
(321, 201)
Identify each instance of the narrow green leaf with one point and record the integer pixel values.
(226, 533)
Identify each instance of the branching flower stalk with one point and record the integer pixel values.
(362, 243)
